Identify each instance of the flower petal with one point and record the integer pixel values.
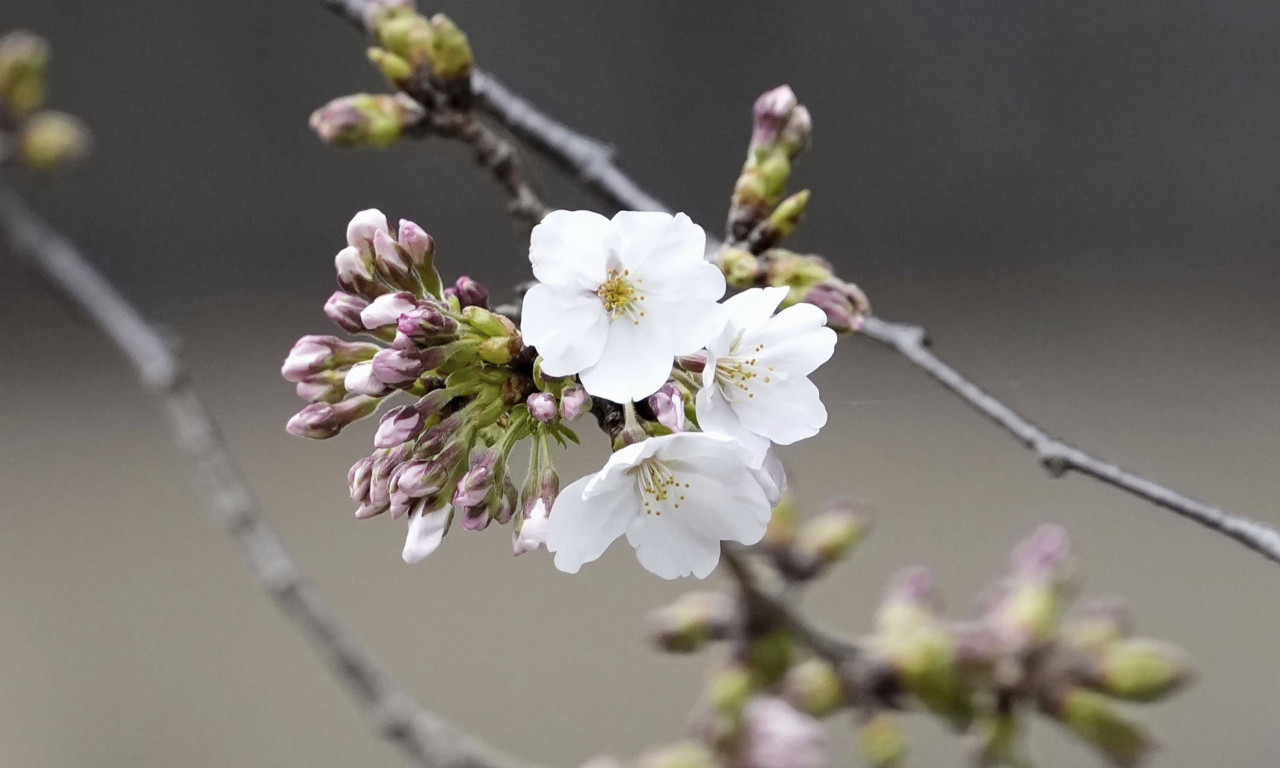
(642, 237)
(568, 248)
(580, 530)
(753, 307)
(636, 361)
(426, 531)
(717, 416)
(784, 410)
(795, 341)
(568, 328)
(670, 550)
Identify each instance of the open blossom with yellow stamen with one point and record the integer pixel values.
(676, 497)
(618, 299)
(755, 382)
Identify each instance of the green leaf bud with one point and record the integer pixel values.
(813, 686)
(1142, 669)
(881, 742)
(50, 139)
(1093, 718)
(24, 58)
(365, 120)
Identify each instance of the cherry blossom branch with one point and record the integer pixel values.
(593, 164)
(422, 737)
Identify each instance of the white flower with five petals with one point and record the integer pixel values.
(676, 497)
(618, 299)
(755, 384)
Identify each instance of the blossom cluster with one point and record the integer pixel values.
(626, 313)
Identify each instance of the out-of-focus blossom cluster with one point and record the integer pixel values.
(40, 138)
(1026, 652)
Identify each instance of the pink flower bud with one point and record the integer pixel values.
(358, 478)
(386, 309)
(771, 111)
(1044, 555)
(391, 262)
(475, 484)
(344, 310)
(397, 367)
(324, 387)
(323, 420)
(398, 425)
(355, 273)
(419, 245)
(542, 407)
(424, 325)
(668, 406)
(360, 379)
(362, 228)
(572, 402)
(469, 293)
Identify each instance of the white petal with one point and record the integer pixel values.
(753, 307)
(716, 416)
(637, 237)
(363, 226)
(783, 411)
(636, 361)
(568, 328)
(795, 341)
(688, 325)
(772, 477)
(568, 248)
(614, 476)
(580, 530)
(670, 550)
(386, 309)
(425, 534)
(360, 379)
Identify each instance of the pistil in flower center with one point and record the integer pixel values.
(621, 295)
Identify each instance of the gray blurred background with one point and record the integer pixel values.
(1078, 198)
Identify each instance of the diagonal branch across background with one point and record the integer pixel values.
(592, 163)
(425, 739)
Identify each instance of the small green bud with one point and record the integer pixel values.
(830, 536)
(682, 754)
(495, 350)
(1097, 623)
(24, 58)
(796, 270)
(407, 35)
(392, 67)
(366, 120)
(784, 219)
(741, 269)
(797, 132)
(1093, 718)
(770, 656)
(774, 170)
(450, 51)
(729, 689)
(50, 139)
(926, 663)
(881, 742)
(1142, 669)
(1033, 609)
(1000, 742)
(690, 622)
(487, 323)
(813, 686)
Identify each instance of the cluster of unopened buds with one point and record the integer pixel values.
(40, 138)
(1024, 653)
(626, 312)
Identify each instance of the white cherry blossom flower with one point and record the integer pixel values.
(617, 299)
(426, 531)
(755, 384)
(676, 497)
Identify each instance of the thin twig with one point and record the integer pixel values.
(425, 739)
(1058, 457)
(496, 155)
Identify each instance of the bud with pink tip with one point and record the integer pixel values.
(314, 354)
(360, 379)
(358, 479)
(355, 273)
(324, 387)
(386, 309)
(421, 248)
(427, 323)
(667, 405)
(364, 226)
(469, 293)
(427, 528)
(344, 310)
(323, 420)
(475, 484)
(392, 262)
(398, 367)
(542, 407)
(573, 401)
(397, 426)
(770, 112)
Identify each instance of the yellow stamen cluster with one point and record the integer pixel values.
(657, 484)
(736, 371)
(621, 295)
